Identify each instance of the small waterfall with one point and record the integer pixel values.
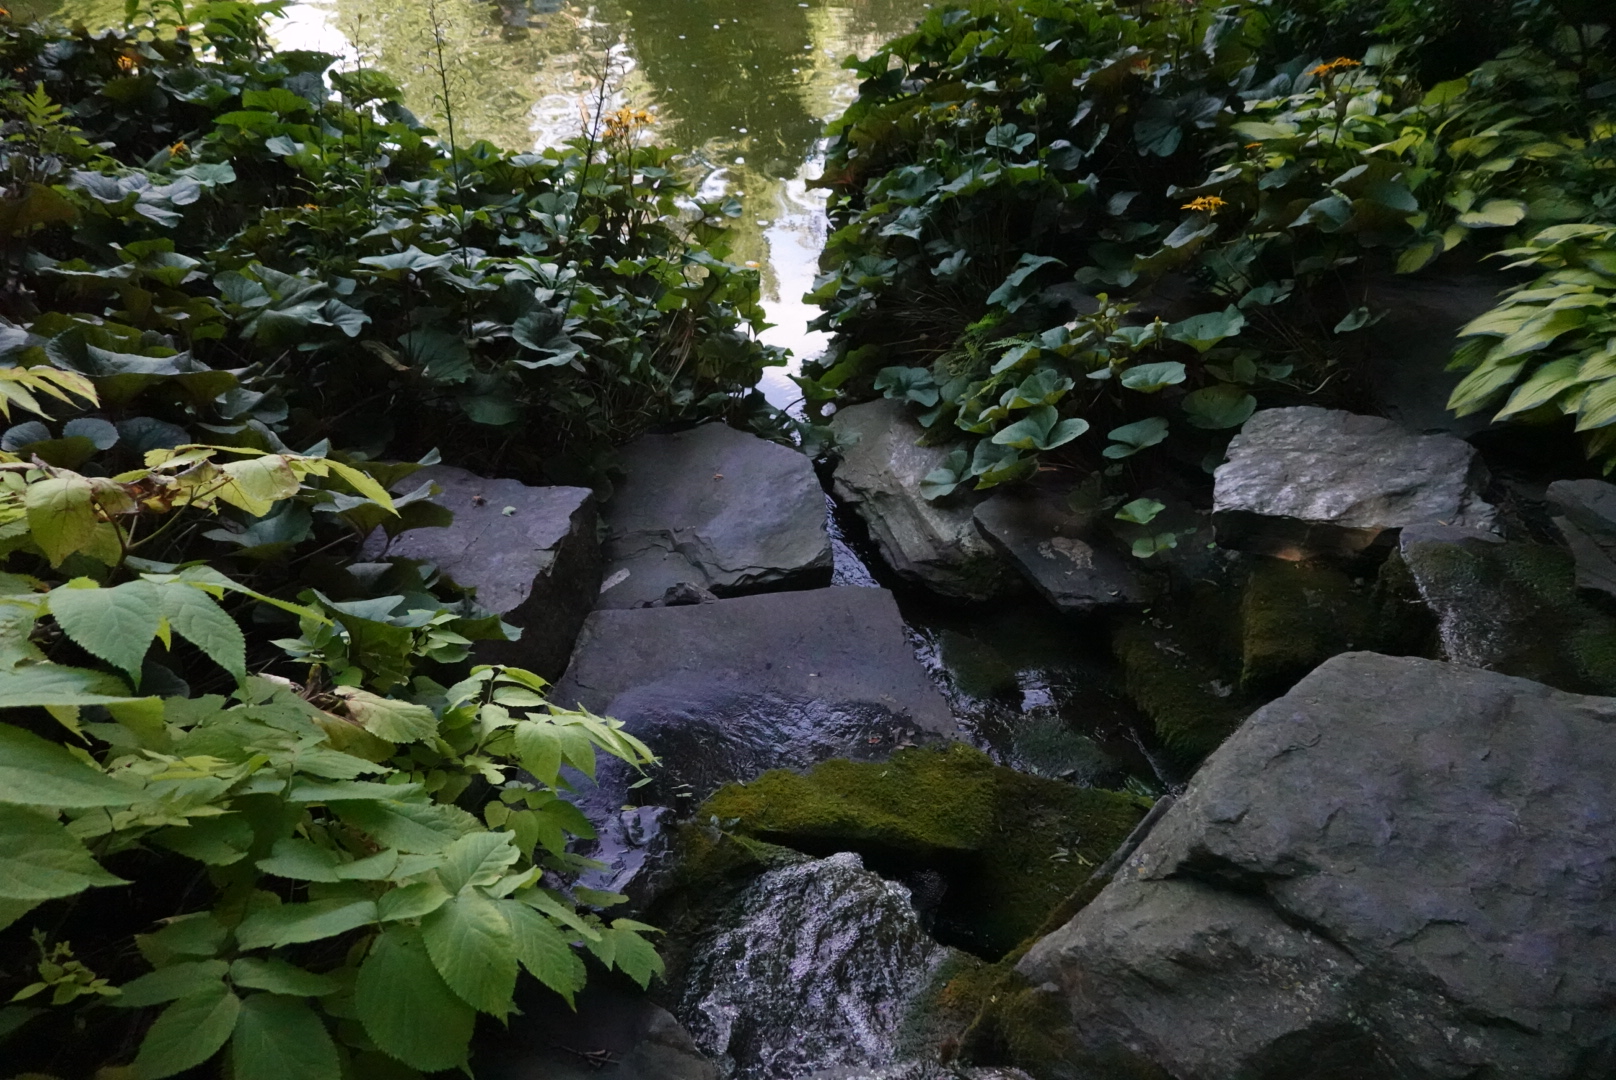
(809, 970)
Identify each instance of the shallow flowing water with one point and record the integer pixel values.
(746, 86)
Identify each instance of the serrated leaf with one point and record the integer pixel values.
(539, 750)
(300, 860)
(281, 1038)
(411, 901)
(418, 828)
(407, 1009)
(543, 950)
(41, 860)
(115, 624)
(34, 772)
(198, 619)
(188, 1032)
(278, 977)
(633, 955)
(290, 924)
(479, 858)
(388, 718)
(471, 946)
(172, 982)
(61, 515)
(220, 840)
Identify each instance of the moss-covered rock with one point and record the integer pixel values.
(1011, 847)
(1190, 692)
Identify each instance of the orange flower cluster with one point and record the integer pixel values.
(625, 121)
(179, 148)
(1340, 63)
(1206, 204)
(126, 63)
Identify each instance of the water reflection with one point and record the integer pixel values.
(745, 85)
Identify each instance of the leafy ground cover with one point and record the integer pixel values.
(1109, 231)
(259, 815)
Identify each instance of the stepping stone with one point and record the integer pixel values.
(715, 508)
(1308, 481)
(530, 553)
(1586, 517)
(1056, 550)
(728, 690)
(935, 544)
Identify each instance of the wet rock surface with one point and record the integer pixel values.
(1511, 607)
(1400, 869)
(717, 508)
(1064, 559)
(615, 1032)
(1585, 513)
(1308, 481)
(530, 552)
(808, 968)
(935, 544)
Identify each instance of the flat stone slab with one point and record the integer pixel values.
(725, 691)
(716, 508)
(1402, 868)
(531, 554)
(1308, 481)
(935, 544)
(1585, 512)
(1059, 553)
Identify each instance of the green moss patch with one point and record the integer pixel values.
(1011, 847)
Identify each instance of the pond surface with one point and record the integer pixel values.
(746, 86)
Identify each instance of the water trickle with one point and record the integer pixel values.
(809, 969)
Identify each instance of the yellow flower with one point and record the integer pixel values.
(126, 63)
(1340, 63)
(1209, 204)
(179, 148)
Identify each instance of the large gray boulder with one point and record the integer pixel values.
(1304, 481)
(727, 690)
(1059, 553)
(935, 544)
(716, 508)
(530, 553)
(1402, 869)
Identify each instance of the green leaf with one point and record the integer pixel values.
(1357, 319)
(61, 515)
(281, 1038)
(1445, 93)
(1141, 511)
(543, 949)
(278, 977)
(41, 860)
(1217, 407)
(1132, 438)
(220, 840)
(478, 858)
(1202, 332)
(407, 1009)
(942, 480)
(632, 954)
(1420, 254)
(188, 1032)
(470, 945)
(34, 772)
(54, 684)
(1479, 387)
(195, 617)
(114, 624)
(175, 981)
(301, 860)
(388, 718)
(290, 924)
(1040, 429)
(1008, 293)
(908, 384)
(1546, 383)
(411, 901)
(1495, 213)
(1149, 378)
(424, 828)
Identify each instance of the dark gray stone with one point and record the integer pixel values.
(536, 566)
(1403, 869)
(1586, 517)
(1059, 553)
(935, 544)
(613, 1033)
(725, 691)
(716, 508)
(1307, 481)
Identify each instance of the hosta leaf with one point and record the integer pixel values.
(1495, 213)
(1479, 387)
(290, 924)
(1546, 383)
(407, 1009)
(188, 1032)
(279, 977)
(41, 860)
(61, 515)
(35, 772)
(172, 982)
(543, 949)
(388, 718)
(198, 619)
(278, 1038)
(471, 946)
(114, 624)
